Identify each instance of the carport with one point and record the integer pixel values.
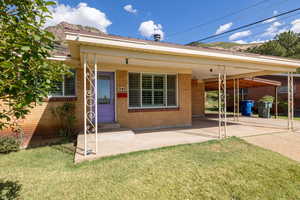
(233, 85)
(122, 56)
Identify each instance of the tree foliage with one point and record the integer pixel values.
(26, 75)
(286, 44)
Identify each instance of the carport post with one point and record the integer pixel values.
(290, 101)
(85, 101)
(225, 103)
(222, 105)
(96, 103)
(219, 106)
(276, 102)
(90, 114)
(236, 99)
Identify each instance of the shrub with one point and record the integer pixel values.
(9, 144)
(65, 114)
(267, 98)
(9, 190)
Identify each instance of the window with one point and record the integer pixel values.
(284, 89)
(152, 90)
(104, 89)
(66, 87)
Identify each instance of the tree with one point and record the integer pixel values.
(286, 44)
(26, 73)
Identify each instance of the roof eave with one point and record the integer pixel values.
(144, 46)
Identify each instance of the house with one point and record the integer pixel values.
(281, 90)
(258, 86)
(140, 84)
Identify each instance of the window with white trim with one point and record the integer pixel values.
(152, 90)
(66, 88)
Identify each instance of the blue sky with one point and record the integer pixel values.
(174, 18)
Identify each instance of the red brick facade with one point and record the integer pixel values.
(256, 93)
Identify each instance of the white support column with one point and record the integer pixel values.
(234, 99)
(225, 102)
(90, 112)
(288, 83)
(276, 102)
(222, 105)
(96, 103)
(238, 99)
(290, 101)
(85, 111)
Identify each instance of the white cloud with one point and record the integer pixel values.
(81, 14)
(275, 12)
(148, 28)
(129, 8)
(258, 41)
(274, 29)
(240, 35)
(270, 20)
(296, 26)
(241, 42)
(223, 28)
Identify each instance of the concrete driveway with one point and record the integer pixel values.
(286, 143)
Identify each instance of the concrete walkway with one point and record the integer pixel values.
(126, 141)
(267, 133)
(287, 144)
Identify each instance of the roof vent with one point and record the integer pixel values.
(156, 37)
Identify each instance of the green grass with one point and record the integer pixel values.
(286, 117)
(228, 169)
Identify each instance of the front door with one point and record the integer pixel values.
(106, 97)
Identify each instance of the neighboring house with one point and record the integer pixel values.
(259, 92)
(140, 84)
(265, 86)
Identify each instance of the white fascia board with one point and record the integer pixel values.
(65, 59)
(59, 58)
(143, 46)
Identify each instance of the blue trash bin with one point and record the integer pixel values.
(246, 107)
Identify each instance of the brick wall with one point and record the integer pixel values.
(40, 124)
(157, 117)
(198, 98)
(256, 93)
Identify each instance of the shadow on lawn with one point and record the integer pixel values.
(9, 190)
(64, 149)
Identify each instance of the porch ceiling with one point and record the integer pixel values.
(201, 69)
(243, 83)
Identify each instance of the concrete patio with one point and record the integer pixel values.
(267, 133)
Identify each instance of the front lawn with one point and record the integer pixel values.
(229, 169)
